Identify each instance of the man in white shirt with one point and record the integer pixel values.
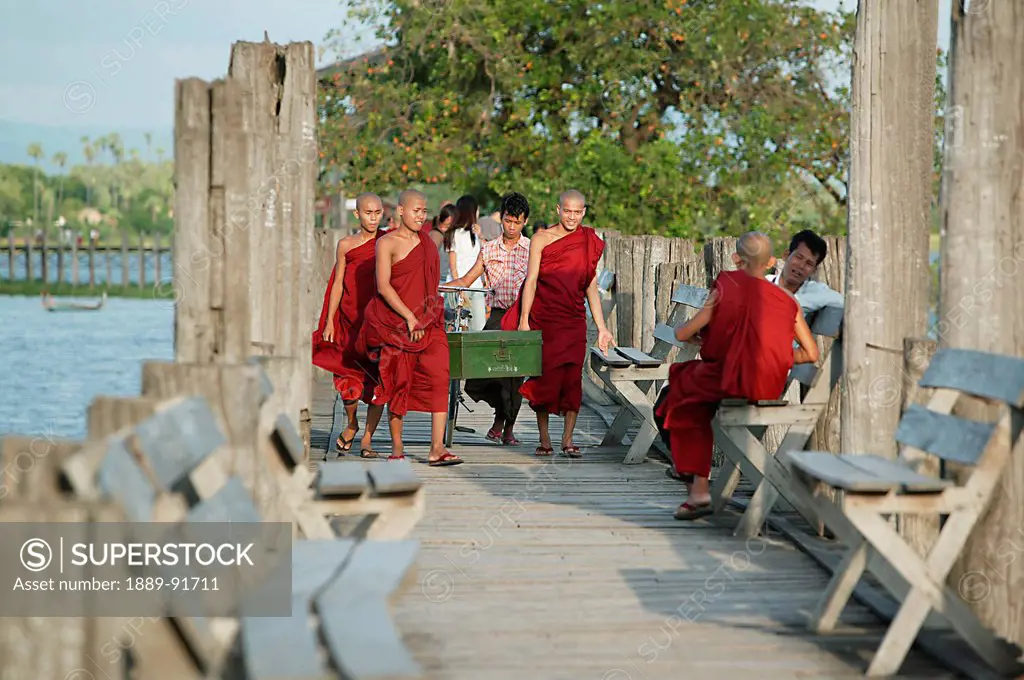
(806, 251)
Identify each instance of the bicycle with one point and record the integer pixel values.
(457, 321)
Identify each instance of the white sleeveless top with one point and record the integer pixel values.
(466, 254)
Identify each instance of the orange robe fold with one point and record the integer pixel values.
(746, 353)
(414, 376)
(354, 373)
(567, 267)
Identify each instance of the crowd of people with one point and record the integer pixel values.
(382, 325)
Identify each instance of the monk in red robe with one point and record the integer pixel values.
(562, 272)
(351, 287)
(404, 329)
(746, 352)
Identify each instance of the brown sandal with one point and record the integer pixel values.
(542, 451)
(368, 453)
(689, 511)
(571, 452)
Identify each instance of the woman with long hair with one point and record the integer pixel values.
(462, 243)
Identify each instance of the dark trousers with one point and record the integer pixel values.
(501, 394)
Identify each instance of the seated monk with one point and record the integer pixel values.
(351, 287)
(747, 351)
(561, 272)
(404, 329)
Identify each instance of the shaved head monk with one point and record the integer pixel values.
(351, 287)
(746, 352)
(562, 271)
(404, 329)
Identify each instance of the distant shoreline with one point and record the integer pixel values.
(36, 288)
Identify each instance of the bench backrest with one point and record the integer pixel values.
(953, 373)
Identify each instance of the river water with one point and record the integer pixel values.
(52, 364)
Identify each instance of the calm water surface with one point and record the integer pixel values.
(52, 364)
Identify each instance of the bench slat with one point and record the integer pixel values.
(666, 333)
(758, 402)
(177, 439)
(948, 437)
(613, 358)
(341, 478)
(276, 648)
(372, 646)
(394, 477)
(883, 468)
(828, 321)
(120, 477)
(315, 563)
(983, 374)
(232, 503)
(691, 296)
(637, 357)
(804, 374)
(288, 441)
(836, 472)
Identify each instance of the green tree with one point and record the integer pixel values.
(685, 118)
(61, 159)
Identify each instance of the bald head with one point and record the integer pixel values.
(571, 196)
(754, 249)
(368, 200)
(409, 195)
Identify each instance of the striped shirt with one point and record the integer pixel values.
(505, 269)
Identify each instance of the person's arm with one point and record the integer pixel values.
(436, 236)
(818, 295)
(604, 336)
(701, 319)
(385, 247)
(470, 276)
(530, 284)
(336, 290)
(452, 262)
(807, 353)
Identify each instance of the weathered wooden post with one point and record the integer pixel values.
(245, 162)
(44, 265)
(29, 271)
(142, 260)
(92, 264)
(889, 212)
(107, 265)
(10, 255)
(125, 282)
(980, 301)
(157, 256)
(74, 262)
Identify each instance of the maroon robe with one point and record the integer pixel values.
(567, 267)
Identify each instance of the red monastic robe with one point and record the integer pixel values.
(354, 373)
(414, 376)
(746, 353)
(567, 267)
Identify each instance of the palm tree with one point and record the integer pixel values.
(89, 151)
(61, 159)
(35, 152)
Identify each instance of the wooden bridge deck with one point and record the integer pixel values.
(555, 569)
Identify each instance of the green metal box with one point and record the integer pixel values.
(494, 354)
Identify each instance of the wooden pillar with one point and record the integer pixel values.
(718, 254)
(11, 252)
(831, 272)
(980, 301)
(157, 255)
(919, 530)
(44, 265)
(92, 264)
(74, 262)
(106, 261)
(29, 269)
(142, 260)
(890, 199)
(60, 261)
(124, 259)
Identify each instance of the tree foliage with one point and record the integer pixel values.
(681, 117)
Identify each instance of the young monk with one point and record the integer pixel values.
(562, 270)
(404, 329)
(351, 287)
(746, 352)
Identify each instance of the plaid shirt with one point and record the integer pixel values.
(505, 269)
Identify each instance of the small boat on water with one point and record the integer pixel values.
(52, 305)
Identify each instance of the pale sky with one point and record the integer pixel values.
(111, 64)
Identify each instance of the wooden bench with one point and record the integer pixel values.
(739, 425)
(163, 469)
(873, 489)
(631, 374)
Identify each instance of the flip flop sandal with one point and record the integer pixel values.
(494, 435)
(368, 453)
(346, 444)
(445, 460)
(510, 441)
(688, 511)
(541, 451)
(400, 456)
(571, 452)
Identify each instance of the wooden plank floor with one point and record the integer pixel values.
(555, 569)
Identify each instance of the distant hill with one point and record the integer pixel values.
(15, 138)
